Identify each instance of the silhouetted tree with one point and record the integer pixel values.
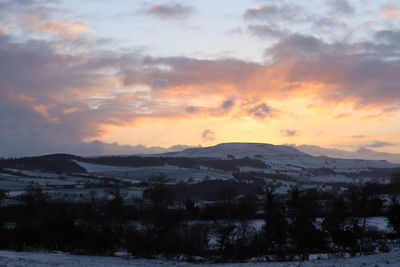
(275, 228)
(303, 225)
(393, 216)
(395, 178)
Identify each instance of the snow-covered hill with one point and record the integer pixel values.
(239, 150)
(280, 157)
(361, 153)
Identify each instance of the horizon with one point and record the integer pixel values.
(361, 153)
(99, 78)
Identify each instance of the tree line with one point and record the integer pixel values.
(295, 224)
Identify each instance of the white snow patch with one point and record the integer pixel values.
(11, 258)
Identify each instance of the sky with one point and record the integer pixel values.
(115, 77)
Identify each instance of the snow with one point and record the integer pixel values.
(278, 155)
(89, 167)
(35, 173)
(239, 150)
(36, 259)
(380, 223)
(280, 159)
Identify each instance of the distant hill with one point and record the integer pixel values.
(58, 163)
(361, 153)
(239, 150)
(225, 157)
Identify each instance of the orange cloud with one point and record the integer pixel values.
(41, 24)
(60, 28)
(3, 29)
(70, 110)
(342, 115)
(44, 110)
(391, 11)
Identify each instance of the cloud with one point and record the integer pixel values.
(100, 148)
(390, 11)
(76, 92)
(341, 115)
(191, 109)
(288, 17)
(289, 133)
(228, 104)
(235, 31)
(46, 98)
(73, 96)
(190, 72)
(358, 136)
(262, 111)
(378, 144)
(271, 12)
(39, 23)
(3, 29)
(265, 31)
(169, 11)
(341, 7)
(297, 45)
(159, 84)
(6, 6)
(362, 73)
(208, 135)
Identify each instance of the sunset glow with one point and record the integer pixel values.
(91, 78)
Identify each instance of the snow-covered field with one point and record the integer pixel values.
(11, 258)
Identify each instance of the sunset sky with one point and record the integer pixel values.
(101, 76)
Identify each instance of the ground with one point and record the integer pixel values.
(11, 258)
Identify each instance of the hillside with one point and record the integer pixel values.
(240, 150)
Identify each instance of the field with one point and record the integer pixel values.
(38, 259)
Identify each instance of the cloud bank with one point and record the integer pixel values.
(59, 93)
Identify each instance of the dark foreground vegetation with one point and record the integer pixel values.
(64, 163)
(163, 223)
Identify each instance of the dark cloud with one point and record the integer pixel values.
(47, 99)
(191, 109)
(101, 148)
(325, 24)
(297, 45)
(388, 37)
(365, 73)
(228, 104)
(169, 11)
(50, 101)
(289, 133)
(160, 84)
(6, 4)
(179, 71)
(262, 111)
(273, 12)
(262, 31)
(358, 136)
(341, 7)
(208, 135)
(378, 144)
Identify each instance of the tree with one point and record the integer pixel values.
(3, 194)
(159, 195)
(275, 227)
(395, 178)
(302, 224)
(393, 216)
(335, 223)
